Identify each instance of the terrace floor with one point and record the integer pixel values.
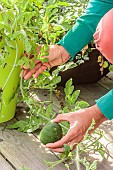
(19, 149)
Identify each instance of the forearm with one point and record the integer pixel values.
(98, 115)
(105, 104)
(85, 26)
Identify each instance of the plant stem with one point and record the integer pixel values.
(21, 85)
(93, 142)
(51, 94)
(44, 117)
(13, 67)
(77, 158)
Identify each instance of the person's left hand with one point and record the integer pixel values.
(57, 56)
(79, 121)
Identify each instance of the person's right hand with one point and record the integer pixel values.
(57, 56)
(79, 122)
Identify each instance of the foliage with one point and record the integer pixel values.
(24, 168)
(104, 64)
(90, 144)
(39, 116)
(35, 22)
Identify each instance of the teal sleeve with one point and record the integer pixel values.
(82, 32)
(105, 104)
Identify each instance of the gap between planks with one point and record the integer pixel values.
(90, 92)
(8, 152)
(22, 149)
(4, 164)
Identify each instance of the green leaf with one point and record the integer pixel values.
(56, 80)
(1, 25)
(105, 64)
(44, 50)
(67, 125)
(81, 105)
(49, 111)
(63, 4)
(51, 2)
(102, 153)
(23, 61)
(111, 68)
(18, 124)
(28, 125)
(32, 64)
(68, 88)
(66, 149)
(75, 96)
(24, 168)
(45, 60)
(50, 14)
(67, 66)
(46, 73)
(94, 165)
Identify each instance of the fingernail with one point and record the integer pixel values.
(48, 145)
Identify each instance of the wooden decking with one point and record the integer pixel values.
(19, 149)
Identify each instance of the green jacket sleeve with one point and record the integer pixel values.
(105, 104)
(82, 32)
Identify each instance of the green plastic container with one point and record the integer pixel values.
(9, 81)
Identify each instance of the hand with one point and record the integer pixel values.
(79, 121)
(57, 56)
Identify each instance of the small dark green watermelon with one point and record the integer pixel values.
(50, 133)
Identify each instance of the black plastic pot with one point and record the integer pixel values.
(88, 72)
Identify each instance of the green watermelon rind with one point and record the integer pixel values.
(50, 133)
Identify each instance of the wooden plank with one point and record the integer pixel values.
(91, 92)
(107, 142)
(44, 95)
(4, 165)
(22, 149)
(106, 164)
(110, 75)
(107, 82)
(107, 139)
(21, 115)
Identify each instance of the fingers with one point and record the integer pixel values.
(31, 72)
(25, 67)
(39, 71)
(37, 61)
(24, 72)
(73, 144)
(60, 118)
(70, 136)
(73, 137)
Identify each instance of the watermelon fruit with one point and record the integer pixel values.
(50, 133)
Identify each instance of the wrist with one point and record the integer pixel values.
(65, 56)
(96, 114)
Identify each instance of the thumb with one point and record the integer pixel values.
(60, 118)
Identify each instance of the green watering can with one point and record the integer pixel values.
(9, 82)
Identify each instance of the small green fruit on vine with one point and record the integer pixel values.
(50, 133)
